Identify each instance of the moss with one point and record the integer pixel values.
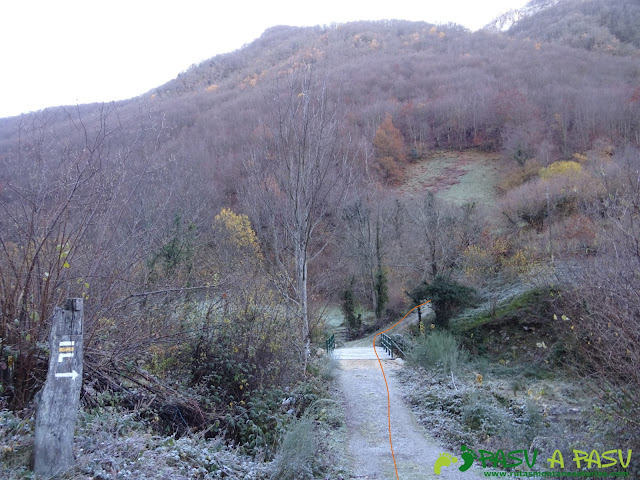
(518, 331)
(526, 305)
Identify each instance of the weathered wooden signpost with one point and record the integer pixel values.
(60, 397)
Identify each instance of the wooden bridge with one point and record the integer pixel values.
(360, 353)
(387, 348)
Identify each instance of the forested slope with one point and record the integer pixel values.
(610, 26)
(209, 222)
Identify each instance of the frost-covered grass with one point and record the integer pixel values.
(454, 176)
(485, 416)
(504, 409)
(511, 300)
(16, 441)
(295, 460)
(333, 318)
(438, 350)
(114, 443)
(477, 184)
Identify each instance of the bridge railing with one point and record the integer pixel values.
(394, 346)
(330, 343)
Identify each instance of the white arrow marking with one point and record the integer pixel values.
(72, 375)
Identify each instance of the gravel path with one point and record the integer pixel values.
(365, 401)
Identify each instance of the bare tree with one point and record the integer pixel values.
(601, 312)
(72, 223)
(299, 174)
(372, 239)
(442, 232)
(46, 213)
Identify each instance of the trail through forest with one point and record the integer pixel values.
(364, 397)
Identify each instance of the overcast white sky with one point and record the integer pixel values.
(62, 52)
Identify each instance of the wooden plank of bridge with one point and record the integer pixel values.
(359, 353)
(59, 399)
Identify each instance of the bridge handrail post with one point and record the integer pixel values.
(330, 343)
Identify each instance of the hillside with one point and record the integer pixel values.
(504, 22)
(444, 87)
(609, 26)
(457, 177)
(212, 224)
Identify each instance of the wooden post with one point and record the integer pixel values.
(59, 399)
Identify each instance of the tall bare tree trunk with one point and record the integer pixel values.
(300, 173)
(301, 277)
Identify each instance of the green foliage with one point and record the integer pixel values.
(414, 155)
(349, 308)
(255, 425)
(257, 422)
(238, 376)
(177, 253)
(526, 304)
(236, 365)
(241, 346)
(447, 298)
(439, 350)
(382, 291)
(521, 155)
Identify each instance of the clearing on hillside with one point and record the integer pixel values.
(457, 177)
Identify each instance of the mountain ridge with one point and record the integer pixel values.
(505, 21)
(606, 26)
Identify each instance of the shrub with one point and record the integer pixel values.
(354, 322)
(512, 177)
(297, 451)
(480, 416)
(562, 189)
(566, 168)
(533, 421)
(255, 425)
(328, 368)
(498, 427)
(494, 258)
(447, 298)
(439, 350)
(391, 171)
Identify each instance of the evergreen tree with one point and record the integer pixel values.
(349, 308)
(382, 291)
(447, 297)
